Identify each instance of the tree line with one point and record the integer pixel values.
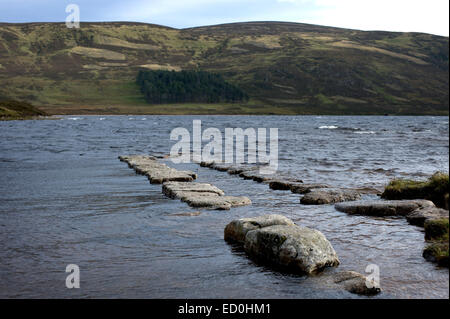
(161, 87)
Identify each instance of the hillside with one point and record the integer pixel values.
(17, 110)
(285, 68)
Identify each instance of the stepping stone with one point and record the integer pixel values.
(276, 240)
(249, 174)
(206, 164)
(261, 179)
(236, 170)
(156, 172)
(383, 207)
(180, 185)
(421, 215)
(299, 188)
(283, 185)
(216, 202)
(220, 167)
(329, 196)
(203, 195)
(296, 248)
(180, 190)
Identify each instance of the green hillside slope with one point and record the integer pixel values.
(285, 68)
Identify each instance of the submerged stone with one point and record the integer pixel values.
(356, 283)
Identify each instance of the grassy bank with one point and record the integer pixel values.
(436, 189)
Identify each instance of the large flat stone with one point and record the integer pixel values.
(156, 172)
(283, 185)
(329, 196)
(166, 175)
(217, 202)
(180, 189)
(203, 195)
(382, 207)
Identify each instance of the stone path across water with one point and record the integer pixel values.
(316, 194)
(180, 184)
(156, 172)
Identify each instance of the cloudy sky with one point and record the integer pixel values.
(430, 16)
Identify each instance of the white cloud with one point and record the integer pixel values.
(431, 16)
(143, 9)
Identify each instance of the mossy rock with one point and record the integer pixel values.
(436, 189)
(438, 253)
(436, 229)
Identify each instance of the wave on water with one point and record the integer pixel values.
(349, 129)
(328, 127)
(74, 118)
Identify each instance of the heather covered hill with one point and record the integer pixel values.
(18, 110)
(284, 68)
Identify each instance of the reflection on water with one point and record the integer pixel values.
(65, 198)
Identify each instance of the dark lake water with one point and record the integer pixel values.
(65, 198)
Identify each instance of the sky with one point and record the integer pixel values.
(429, 16)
